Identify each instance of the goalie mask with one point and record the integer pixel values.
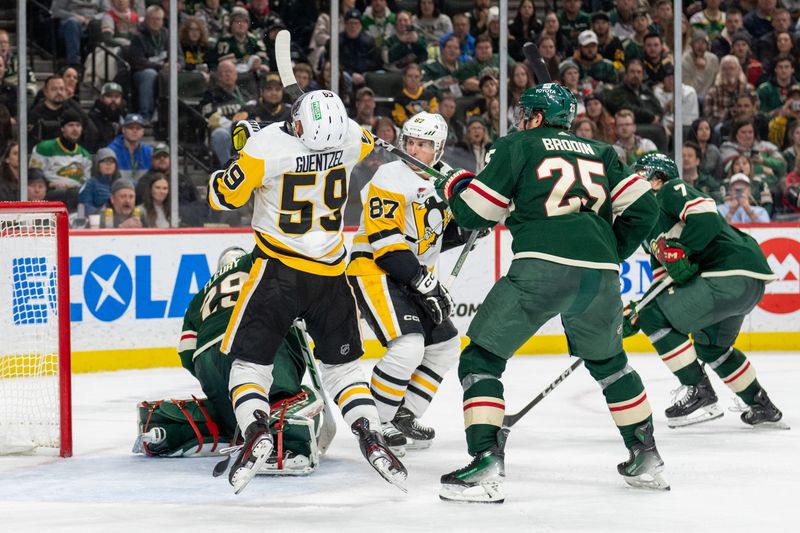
(229, 255)
(323, 119)
(428, 127)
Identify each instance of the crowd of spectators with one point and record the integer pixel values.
(740, 93)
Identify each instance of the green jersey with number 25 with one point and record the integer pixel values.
(565, 199)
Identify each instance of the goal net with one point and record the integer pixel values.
(35, 406)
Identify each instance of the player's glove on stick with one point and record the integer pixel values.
(675, 258)
(243, 130)
(432, 295)
(453, 183)
(630, 320)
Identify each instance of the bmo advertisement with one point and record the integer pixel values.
(130, 289)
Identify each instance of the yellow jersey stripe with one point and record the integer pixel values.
(244, 297)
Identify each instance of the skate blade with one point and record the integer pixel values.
(653, 481)
(709, 413)
(398, 451)
(418, 444)
(300, 468)
(780, 424)
(242, 477)
(486, 492)
(396, 477)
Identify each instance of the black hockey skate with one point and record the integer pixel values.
(379, 455)
(644, 466)
(763, 412)
(254, 453)
(481, 481)
(395, 440)
(418, 437)
(698, 404)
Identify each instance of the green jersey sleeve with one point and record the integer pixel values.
(693, 211)
(191, 325)
(487, 198)
(634, 208)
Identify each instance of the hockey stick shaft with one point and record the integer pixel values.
(222, 466)
(510, 420)
(328, 429)
(283, 58)
(537, 64)
(461, 259)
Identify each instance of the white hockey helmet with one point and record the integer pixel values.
(323, 118)
(229, 255)
(427, 126)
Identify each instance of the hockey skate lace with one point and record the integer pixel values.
(738, 406)
(680, 396)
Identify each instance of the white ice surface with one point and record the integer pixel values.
(561, 468)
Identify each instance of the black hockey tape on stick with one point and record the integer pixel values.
(537, 64)
(510, 420)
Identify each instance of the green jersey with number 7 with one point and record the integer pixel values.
(567, 199)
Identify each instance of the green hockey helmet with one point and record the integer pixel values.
(656, 165)
(556, 102)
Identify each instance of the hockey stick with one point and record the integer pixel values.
(537, 64)
(283, 58)
(328, 429)
(222, 466)
(510, 420)
(461, 259)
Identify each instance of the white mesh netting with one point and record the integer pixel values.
(29, 387)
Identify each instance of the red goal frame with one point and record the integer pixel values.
(64, 344)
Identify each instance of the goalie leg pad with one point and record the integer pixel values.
(295, 424)
(178, 428)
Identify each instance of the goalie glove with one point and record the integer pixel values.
(243, 130)
(432, 295)
(630, 320)
(453, 183)
(675, 258)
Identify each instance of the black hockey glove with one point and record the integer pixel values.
(432, 295)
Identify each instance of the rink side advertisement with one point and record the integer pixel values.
(130, 289)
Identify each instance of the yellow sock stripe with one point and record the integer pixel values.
(352, 392)
(387, 389)
(239, 390)
(416, 378)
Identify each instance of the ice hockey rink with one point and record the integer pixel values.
(561, 468)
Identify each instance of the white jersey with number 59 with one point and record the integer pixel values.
(299, 195)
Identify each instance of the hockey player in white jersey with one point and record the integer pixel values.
(299, 171)
(403, 226)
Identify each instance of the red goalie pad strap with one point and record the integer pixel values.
(182, 406)
(210, 424)
(151, 408)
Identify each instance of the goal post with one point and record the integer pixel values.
(35, 373)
